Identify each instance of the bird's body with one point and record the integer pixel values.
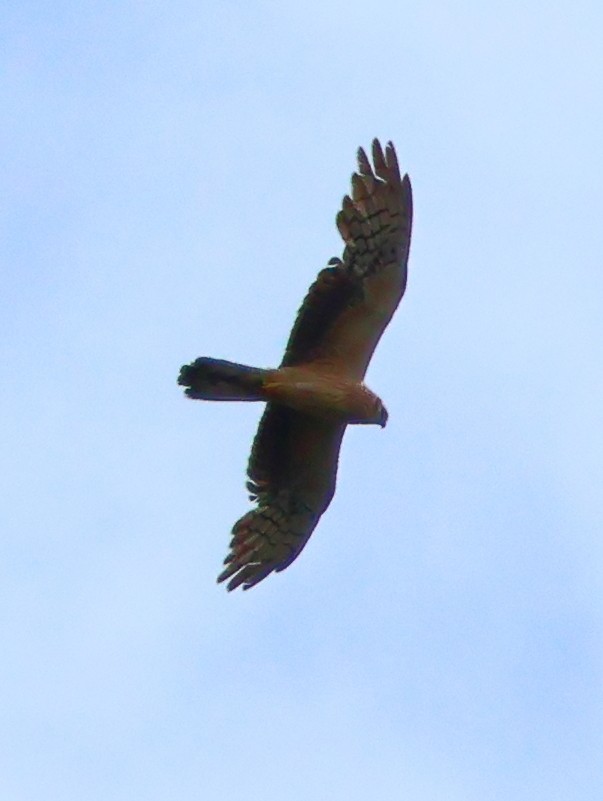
(323, 393)
(319, 388)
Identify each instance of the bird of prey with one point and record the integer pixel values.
(318, 389)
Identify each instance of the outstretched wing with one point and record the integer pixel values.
(348, 307)
(292, 473)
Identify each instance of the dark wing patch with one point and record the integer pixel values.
(292, 474)
(334, 290)
(342, 316)
(268, 462)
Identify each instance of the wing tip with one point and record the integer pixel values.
(245, 576)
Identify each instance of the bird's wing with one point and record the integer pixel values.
(292, 473)
(351, 302)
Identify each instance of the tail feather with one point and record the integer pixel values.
(216, 379)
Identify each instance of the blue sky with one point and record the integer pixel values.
(171, 174)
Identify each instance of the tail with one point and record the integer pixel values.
(216, 379)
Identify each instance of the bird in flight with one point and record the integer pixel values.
(319, 388)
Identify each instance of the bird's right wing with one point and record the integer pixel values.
(351, 302)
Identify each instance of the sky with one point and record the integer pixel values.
(171, 173)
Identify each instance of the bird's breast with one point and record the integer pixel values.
(320, 394)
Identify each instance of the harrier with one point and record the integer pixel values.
(318, 389)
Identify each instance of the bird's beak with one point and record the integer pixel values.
(383, 418)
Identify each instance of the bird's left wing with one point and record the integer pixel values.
(292, 473)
